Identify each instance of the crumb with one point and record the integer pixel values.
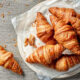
(39, 1)
(2, 15)
(15, 44)
(34, 24)
(26, 4)
(3, 20)
(8, 4)
(1, 5)
(4, 46)
(14, 0)
(31, 40)
(26, 42)
(9, 13)
(9, 35)
(38, 43)
(35, 46)
(14, 39)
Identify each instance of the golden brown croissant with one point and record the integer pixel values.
(76, 25)
(44, 29)
(8, 62)
(46, 54)
(63, 13)
(68, 15)
(65, 35)
(66, 62)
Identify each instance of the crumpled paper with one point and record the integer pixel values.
(23, 27)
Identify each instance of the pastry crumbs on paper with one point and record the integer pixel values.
(38, 43)
(34, 24)
(32, 40)
(26, 42)
(35, 46)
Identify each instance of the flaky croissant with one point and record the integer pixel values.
(68, 15)
(63, 13)
(76, 25)
(8, 62)
(65, 35)
(66, 62)
(44, 29)
(45, 54)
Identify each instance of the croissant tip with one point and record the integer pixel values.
(21, 72)
(28, 60)
(50, 9)
(39, 13)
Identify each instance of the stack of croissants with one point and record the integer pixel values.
(63, 33)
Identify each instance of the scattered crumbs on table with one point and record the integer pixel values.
(3, 20)
(1, 5)
(39, 1)
(2, 15)
(8, 4)
(15, 44)
(5, 46)
(9, 13)
(26, 5)
(14, 39)
(9, 35)
(26, 42)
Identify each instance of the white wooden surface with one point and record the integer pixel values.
(10, 9)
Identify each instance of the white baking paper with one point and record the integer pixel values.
(23, 27)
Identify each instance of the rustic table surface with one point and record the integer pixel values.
(9, 9)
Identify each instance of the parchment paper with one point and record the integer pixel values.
(23, 27)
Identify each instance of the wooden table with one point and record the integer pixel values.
(9, 9)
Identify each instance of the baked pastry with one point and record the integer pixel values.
(45, 54)
(65, 35)
(66, 62)
(44, 29)
(8, 62)
(76, 25)
(63, 13)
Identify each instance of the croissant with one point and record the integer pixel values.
(63, 13)
(45, 54)
(66, 62)
(8, 62)
(44, 29)
(76, 25)
(65, 35)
